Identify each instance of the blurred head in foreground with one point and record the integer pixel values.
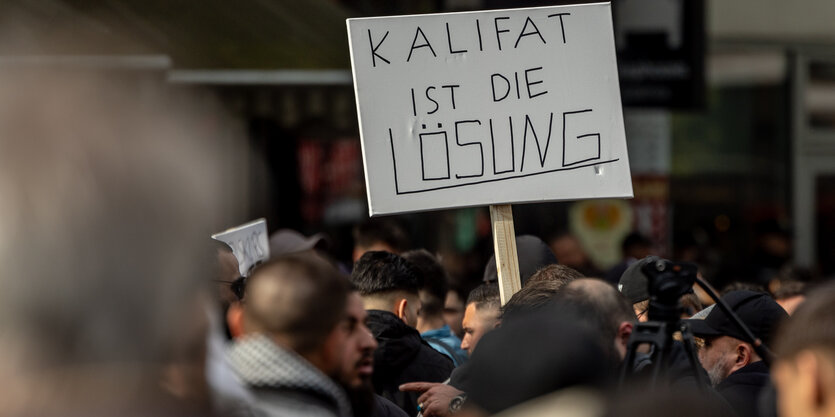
(804, 373)
(110, 187)
(538, 353)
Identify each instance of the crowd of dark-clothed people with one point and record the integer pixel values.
(392, 339)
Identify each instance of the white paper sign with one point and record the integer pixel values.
(249, 243)
(493, 107)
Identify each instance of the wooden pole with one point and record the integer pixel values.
(504, 245)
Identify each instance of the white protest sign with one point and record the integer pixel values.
(492, 107)
(249, 243)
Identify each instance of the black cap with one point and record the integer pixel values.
(760, 313)
(633, 283)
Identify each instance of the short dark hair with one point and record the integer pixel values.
(308, 301)
(811, 326)
(387, 231)
(378, 272)
(434, 278)
(560, 274)
(485, 296)
(532, 297)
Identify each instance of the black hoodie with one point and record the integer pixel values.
(403, 356)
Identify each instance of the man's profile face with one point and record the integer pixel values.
(718, 357)
(476, 323)
(353, 346)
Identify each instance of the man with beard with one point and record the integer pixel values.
(734, 367)
(305, 341)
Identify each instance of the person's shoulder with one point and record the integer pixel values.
(756, 373)
(429, 357)
(383, 407)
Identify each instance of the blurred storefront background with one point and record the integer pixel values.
(729, 111)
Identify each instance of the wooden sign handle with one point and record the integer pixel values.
(504, 245)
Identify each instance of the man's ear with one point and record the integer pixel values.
(401, 311)
(744, 356)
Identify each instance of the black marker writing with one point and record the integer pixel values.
(374, 54)
(562, 25)
(426, 44)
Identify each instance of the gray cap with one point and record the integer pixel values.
(287, 241)
(532, 254)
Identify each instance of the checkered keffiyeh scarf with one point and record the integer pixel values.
(260, 363)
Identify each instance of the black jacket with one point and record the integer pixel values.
(742, 388)
(401, 357)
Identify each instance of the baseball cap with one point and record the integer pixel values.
(633, 283)
(760, 313)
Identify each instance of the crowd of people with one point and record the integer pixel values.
(387, 336)
(104, 225)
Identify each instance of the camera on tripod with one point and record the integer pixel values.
(668, 282)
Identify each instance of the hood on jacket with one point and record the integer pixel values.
(398, 342)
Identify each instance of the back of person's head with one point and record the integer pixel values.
(109, 190)
(601, 305)
(532, 297)
(297, 299)
(485, 297)
(434, 289)
(379, 234)
(380, 272)
(539, 354)
(560, 274)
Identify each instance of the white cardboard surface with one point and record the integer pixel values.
(429, 89)
(249, 243)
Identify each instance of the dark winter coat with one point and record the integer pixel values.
(742, 388)
(403, 356)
